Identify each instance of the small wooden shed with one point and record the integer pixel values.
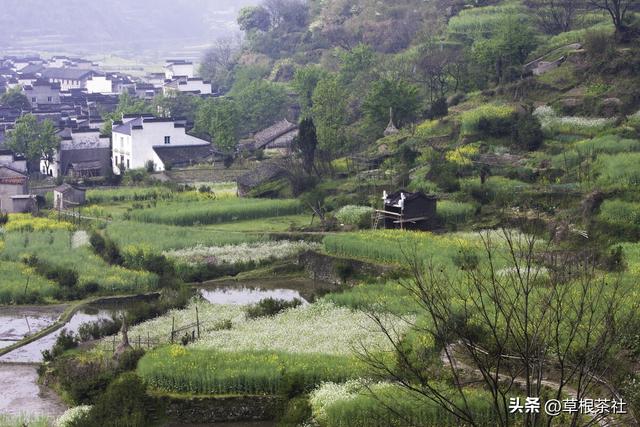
(408, 211)
(67, 196)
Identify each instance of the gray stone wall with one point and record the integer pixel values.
(326, 268)
(207, 410)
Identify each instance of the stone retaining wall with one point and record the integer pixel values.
(326, 268)
(207, 410)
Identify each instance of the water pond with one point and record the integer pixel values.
(243, 292)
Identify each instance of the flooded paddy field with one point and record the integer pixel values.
(21, 393)
(244, 292)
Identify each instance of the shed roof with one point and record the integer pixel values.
(265, 172)
(10, 176)
(65, 188)
(394, 198)
(185, 154)
(265, 136)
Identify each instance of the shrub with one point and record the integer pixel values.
(72, 416)
(4, 218)
(105, 248)
(615, 260)
(599, 44)
(65, 341)
(128, 360)
(270, 307)
(65, 277)
(136, 176)
(98, 329)
(355, 215)
(528, 133)
(489, 119)
(82, 380)
(455, 213)
(125, 402)
(150, 166)
(297, 413)
(344, 269)
(438, 109)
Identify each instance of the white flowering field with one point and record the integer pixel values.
(304, 345)
(574, 125)
(241, 253)
(356, 403)
(316, 328)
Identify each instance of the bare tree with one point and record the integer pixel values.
(516, 319)
(438, 67)
(293, 13)
(556, 16)
(218, 61)
(617, 9)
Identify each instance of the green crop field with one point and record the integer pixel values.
(58, 248)
(216, 211)
(22, 285)
(161, 237)
(178, 369)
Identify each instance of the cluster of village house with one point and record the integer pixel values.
(73, 93)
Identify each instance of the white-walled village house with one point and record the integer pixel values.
(143, 138)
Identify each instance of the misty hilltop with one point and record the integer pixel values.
(101, 26)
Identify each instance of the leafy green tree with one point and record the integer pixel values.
(401, 97)
(36, 141)
(506, 50)
(177, 105)
(47, 143)
(252, 18)
(260, 103)
(126, 105)
(22, 140)
(218, 119)
(304, 83)
(329, 113)
(306, 142)
(15, 99)
(357, 62)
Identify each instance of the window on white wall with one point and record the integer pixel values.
(167, 140)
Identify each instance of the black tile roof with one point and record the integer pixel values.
(67, 73)
(185, 155)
